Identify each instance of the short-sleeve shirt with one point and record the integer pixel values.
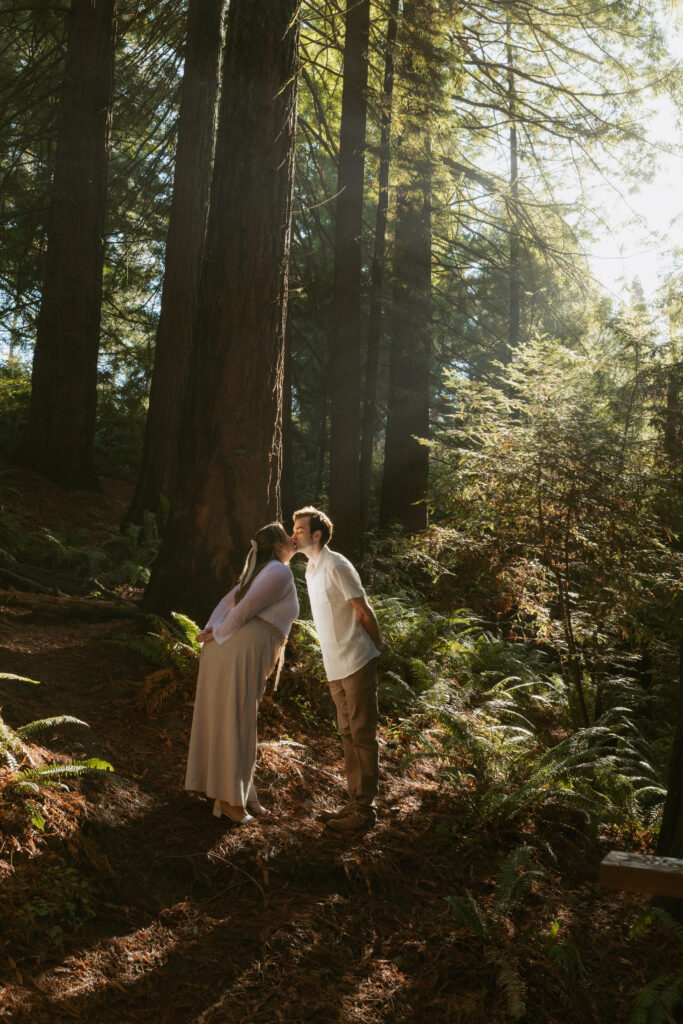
(346, 645)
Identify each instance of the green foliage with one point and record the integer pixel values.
(127, 556)
(509, 737)
(662, 997)
(514, 879)
(15, 393)
(468, 914)
(28, 778)
(120, 559)
(555, 469)
(170, 644)
(563, 954)
(304, 684)
(509, 979)
(61, 903)
(421, 646)
(33, 728)
(46, 772)
(9, 677)
(656, 916)
(656, 1003)
(492, 927)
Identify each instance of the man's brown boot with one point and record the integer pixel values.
(354, 821)
(338, 812)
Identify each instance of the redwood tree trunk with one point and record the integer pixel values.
(345, 350)
(229, 453)
(59, 438)
(184, 244)
(288, 484)
(377, 274)
(406, 462)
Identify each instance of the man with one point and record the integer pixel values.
(351, 644)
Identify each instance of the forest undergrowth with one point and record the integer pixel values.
(475, 898)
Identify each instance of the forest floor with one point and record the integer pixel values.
(136, 905)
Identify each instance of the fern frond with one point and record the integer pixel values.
(10, 745)
(655, 1003)
(514, 879)
(26, 787)
(41, 724)
(656, 915)
(92, 766)
(564, 954)
(37, 820)
(466, 913)
(9, 677)
(188, 630)
(510, 981)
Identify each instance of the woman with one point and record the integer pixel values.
(241, 641)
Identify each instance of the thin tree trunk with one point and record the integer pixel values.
(670, 842)
(59, 438)
(229, 454)
(514, 278)
(288, 488)
(322, 449)
(377, 274)
(346, 347)
(184, 244)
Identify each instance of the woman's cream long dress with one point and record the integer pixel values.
(233, 669)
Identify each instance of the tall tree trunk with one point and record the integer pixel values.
(670, 842)
(406, 462)
(288, 488)
(673, 448)
(377, 274)
(59, 438)
(346, 347)
(229, 453)
(514, 278)
(323, 444)
(184, 244)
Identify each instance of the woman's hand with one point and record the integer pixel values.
(205, 635)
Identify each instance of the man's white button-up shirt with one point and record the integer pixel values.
(346, 645)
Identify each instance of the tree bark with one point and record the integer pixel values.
(184, 244)
(406, 462)
(377, 274)
(515, 285)
(346, 347)
(59, 438)
(229, 454)
(670, 842)
(288, 484)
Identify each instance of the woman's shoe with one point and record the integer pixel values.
(257, 809)
(220, 809)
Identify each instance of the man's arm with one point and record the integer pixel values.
(365, 615)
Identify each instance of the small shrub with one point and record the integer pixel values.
(63, 901)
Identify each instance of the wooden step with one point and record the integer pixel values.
(642, 872)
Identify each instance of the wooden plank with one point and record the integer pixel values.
(642, 872)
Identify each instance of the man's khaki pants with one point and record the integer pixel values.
(355, 698)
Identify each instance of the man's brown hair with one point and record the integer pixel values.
(318, 521)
